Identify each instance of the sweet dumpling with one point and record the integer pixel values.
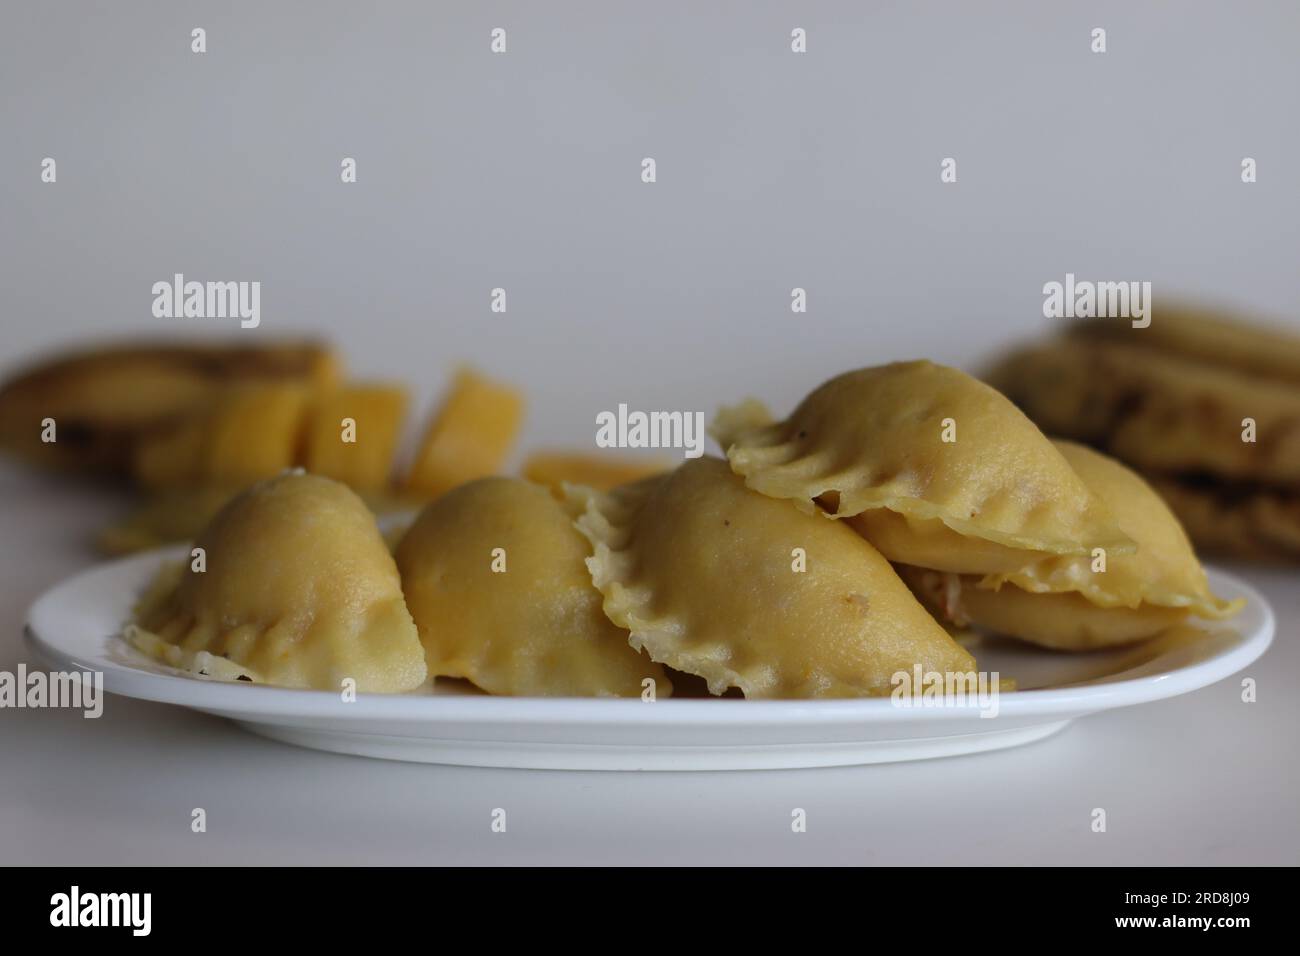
(934, 467)
(1082, 602)
(747, 591)
(296, 589)
(495, 576)
(1164, 571)
(1064, 621)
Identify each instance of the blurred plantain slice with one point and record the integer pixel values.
(603, 473)
(1250, 522)
(248, 432)
(1161, 412)
(469, 437)
(164, 518)
(353, 432)
(1209, 336)
(103, 399)
(174, 515)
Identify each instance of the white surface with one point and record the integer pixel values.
(520, 171)
(1203, 778)
(75, 626)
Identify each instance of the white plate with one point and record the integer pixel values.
(75, 626)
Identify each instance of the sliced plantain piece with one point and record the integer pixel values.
(164, 518)
(1161, 412)
(249, 433)
(1250, 522)
(469, 437)
(601, 472)
(353, 432)
(173, 515)
(103, 399)
(1206, 335)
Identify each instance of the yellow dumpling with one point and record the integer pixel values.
(930, 543)
(1164, 574)
(1065, 621)
(495, 577)
(1164, 571)
(747, 591)
(296, 588)
(936, 468)
(1063, 602)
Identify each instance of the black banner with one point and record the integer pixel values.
(307, 904)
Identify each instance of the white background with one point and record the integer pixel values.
(522, 171)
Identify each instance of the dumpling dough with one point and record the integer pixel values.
(1062, 602)
(1065, 621)
(869, 445)
(1164, 571)
(535, 628)
(298, 590)
(703, 572)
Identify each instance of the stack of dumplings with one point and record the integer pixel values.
(1082, 602)
(827, 554)
(934, 467)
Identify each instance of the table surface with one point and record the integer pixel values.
(1200, 779)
